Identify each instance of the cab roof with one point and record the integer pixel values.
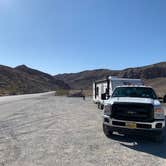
(113, 78)
(141, 86)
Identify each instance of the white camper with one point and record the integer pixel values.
(102, 89)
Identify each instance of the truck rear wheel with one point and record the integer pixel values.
(107, 131)
(100, 106)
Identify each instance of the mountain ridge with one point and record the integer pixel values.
(150, 74)
(24, 80)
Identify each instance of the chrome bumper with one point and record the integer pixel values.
(109, 121)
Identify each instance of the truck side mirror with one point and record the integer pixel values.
(161, 99)
(164, 99)
(103, 96)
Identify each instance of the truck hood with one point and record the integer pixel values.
(131, 100)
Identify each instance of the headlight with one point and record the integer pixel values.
(107, 110)
(158, 112)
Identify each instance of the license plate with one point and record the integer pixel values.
(131, 125)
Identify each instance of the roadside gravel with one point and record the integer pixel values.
(45, 130)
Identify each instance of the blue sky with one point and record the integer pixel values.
(63, 36)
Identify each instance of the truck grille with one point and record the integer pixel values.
(133, 112)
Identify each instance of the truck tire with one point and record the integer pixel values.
(100, 106)
(107, 131)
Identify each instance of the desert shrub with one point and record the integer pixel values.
(61, 92)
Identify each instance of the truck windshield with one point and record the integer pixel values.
(140, 92)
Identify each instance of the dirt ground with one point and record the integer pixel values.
(44, 130)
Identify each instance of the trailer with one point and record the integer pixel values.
(102, 89)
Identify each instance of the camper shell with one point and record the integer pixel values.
(102, 89)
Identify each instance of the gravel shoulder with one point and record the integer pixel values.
(45, 130)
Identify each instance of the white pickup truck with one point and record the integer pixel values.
(134, 109)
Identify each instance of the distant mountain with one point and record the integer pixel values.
(24, 80)
(154, 75)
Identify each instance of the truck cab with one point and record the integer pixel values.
(134, 109)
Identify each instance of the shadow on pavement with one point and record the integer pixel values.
(143, 144)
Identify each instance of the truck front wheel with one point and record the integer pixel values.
(107, 131)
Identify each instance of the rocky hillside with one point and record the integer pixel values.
(154, 75)
(23, 80)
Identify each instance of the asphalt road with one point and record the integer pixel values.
(44, 130)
